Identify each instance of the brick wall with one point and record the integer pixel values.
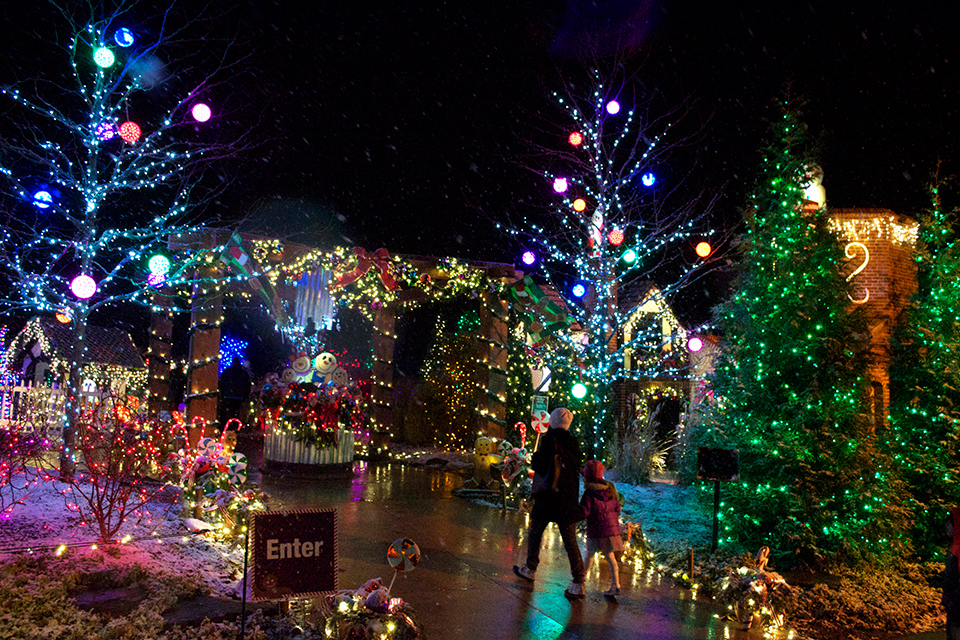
(885, 283)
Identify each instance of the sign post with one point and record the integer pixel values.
(719, 465)
(294, 554)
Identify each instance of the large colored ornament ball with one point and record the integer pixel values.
(106, 131)
(130, 131)
(576, 138)
(42, 199)
(83, 286)
(579, 391)
(560, 185)
(648, 179)
(703, 249)
(616, 237)
(528, 258)
(694, 344)
(159, 264)
(104, 57)
(201, 112)
(579, 290)
(123, 37)
(403, 554)
(64, 316)
(579, 204)
(613, 107)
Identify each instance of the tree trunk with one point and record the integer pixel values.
(71, 408)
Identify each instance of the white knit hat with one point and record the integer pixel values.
(561, 418)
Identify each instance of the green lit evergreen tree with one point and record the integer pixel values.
(450, 383)
(925, 381)
(790, 384)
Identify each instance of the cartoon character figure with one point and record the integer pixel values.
(340, 376)
(483, 459)
(325, 363)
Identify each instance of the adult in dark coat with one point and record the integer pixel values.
(558, 456)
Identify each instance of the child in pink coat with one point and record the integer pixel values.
(601, 507)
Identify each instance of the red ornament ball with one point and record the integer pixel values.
(130, 131)
(703, 249)
(616, 237)
(576, 138)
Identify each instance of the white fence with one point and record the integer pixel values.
(39, 407)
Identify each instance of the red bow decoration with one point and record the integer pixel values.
(379, 259)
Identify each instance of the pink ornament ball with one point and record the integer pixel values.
(201, 112)
(83, 286)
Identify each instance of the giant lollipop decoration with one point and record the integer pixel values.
(540, 421)
(403, 555)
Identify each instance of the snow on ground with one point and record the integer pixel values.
(159, 541)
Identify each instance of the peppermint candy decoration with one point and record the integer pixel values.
(237, 468)
(207, 447)
(540, 421)
(403, 554)
(505, 448)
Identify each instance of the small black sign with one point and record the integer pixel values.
(718, 464)
(294, 554)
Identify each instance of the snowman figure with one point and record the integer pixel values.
(814, 195)
(325, 363)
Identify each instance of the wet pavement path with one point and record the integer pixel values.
(464, 587)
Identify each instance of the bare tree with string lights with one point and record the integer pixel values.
(105, 142)
(616, 244)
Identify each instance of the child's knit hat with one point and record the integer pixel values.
(593, 471)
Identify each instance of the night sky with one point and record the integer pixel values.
(409, 123)
(406, 125)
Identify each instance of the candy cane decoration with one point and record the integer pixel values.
(203, 424)
(522, 428)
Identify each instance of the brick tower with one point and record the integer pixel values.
(880, 246)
